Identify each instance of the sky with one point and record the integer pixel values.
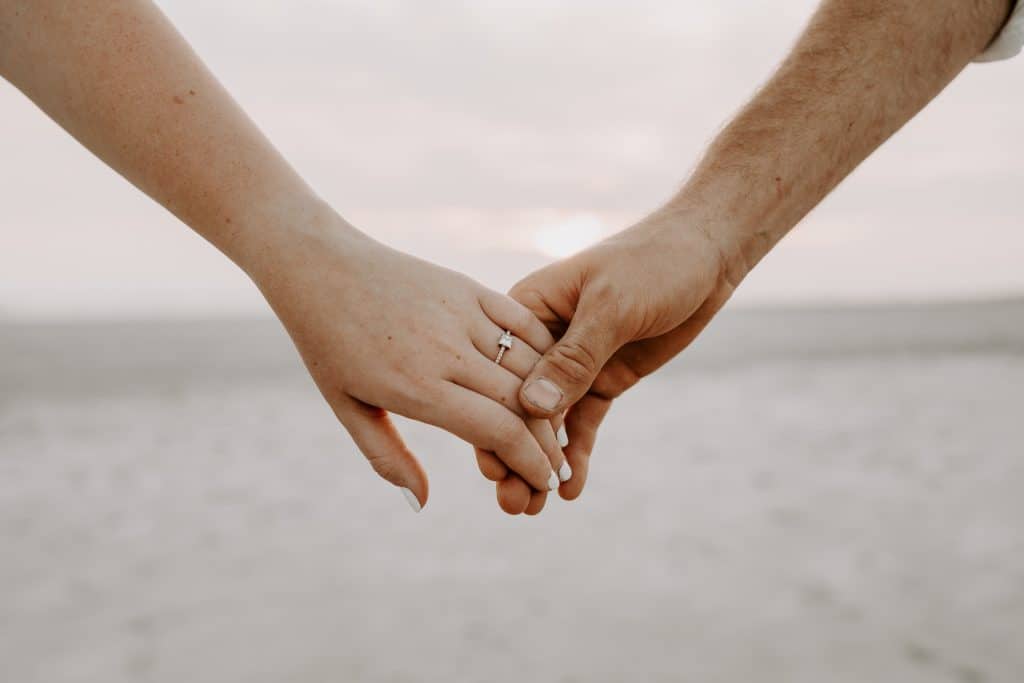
(493, 137)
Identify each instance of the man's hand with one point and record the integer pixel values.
(623, 308)
(862, 69)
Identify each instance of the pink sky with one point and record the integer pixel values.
(484, 136)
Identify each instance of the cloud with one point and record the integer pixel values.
(443, 123)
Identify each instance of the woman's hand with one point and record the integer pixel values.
(622, 309)
(378, 330)
(382, 331)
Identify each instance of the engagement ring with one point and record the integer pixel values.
(504, 344)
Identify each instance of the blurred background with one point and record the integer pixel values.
(825, 487)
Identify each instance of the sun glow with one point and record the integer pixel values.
(569, 236)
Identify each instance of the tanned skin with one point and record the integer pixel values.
(623, 308)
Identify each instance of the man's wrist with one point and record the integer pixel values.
(728, 239)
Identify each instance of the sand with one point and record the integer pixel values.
(806, 495)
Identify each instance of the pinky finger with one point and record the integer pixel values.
(513, 494)
(490, 466)
(536, 504)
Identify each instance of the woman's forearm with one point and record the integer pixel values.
(378, 330)
(123, 81)
(860, 71)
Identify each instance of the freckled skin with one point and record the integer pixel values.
(118, 77)
(126, 103)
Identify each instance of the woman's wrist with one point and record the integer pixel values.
(281, 234)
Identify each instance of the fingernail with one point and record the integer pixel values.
(411, 499)
(565, 472)
(543, 393)
(563, 437)
(552, 481)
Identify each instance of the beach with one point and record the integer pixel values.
(805, 495)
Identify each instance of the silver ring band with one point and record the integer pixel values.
(504, 344)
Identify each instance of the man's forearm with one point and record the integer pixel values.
(121, 80)
(859, 72)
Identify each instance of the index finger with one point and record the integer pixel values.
(582, 422)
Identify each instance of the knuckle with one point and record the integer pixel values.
(574, 360)
(529, 298)
(384, 466)
(606, 299)
(521, 318)
(602, 289)
(414, 394)
(449, 347)
(523, 293)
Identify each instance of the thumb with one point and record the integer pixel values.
(375, 435)
(567, 370)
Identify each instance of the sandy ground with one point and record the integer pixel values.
(804, 496)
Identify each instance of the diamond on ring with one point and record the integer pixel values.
(504, 344)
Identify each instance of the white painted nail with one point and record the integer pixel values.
(563, 437)
(411, 499)
(565, 472)
(552, 481)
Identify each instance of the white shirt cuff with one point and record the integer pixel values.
(1009, 41)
